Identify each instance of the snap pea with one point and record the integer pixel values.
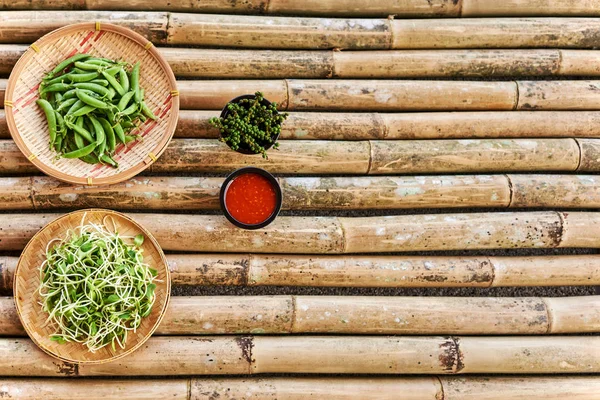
(111, 93)
(80, 152)
(76, 106)
(135, 81)
(113, 82)
(124, 79)
(50, 117)
(120, 134)
(100, 136)
(61, 66)
(90, 100)
(60, 124)
(90, 159)
(110, 134)
(83, 77)
(99, 89)
(101, 82)
(125, 100)
(129, 138)
(130, 110)
(147, 112)
(80, 130)
(84, 110)
(56, 87)
(113, 70)
(67, 103)
(58, 97)
(87, 66)
(58, 79)
(105, 158)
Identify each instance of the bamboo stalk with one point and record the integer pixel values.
(344, 235)
(555, 190)
(446, 63)
(496, 33)
(28, 26)
(278, 32)
(240, 355)
(523, 8)
(325, 388)
(440, 125)
(188, 193)
(590, 155)
(365, 315)
(485, 155)
(292, 157)
(370, 95)
(373, 271)
(553, 95)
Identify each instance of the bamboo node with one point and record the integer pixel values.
(174, 93)
(148, 45)
(31, 157)
(35, 48)
(89, 181)
(97, 25)
(8, 103)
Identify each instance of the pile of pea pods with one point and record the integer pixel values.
(91, 104)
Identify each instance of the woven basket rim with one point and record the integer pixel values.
(148, 236)
(63, 31)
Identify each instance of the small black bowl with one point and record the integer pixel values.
(245, 170)
(225, 112)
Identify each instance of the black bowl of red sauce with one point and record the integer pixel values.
(250, 198)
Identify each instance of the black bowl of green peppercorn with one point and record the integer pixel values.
(250, 124)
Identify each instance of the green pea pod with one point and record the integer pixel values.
(130, 110)
(56, 87)
(69, 94)
(83, 77)
(129, 138)
(99, 89)
(60, 123)
(76, 70)
(58, 144)
(106, 159)
(79, 143)
(87, 66)
(119, 133)
(113, 82)
(67, 62)
(100, 135)
(111, 116)
(58, 97)
(101, 82)
(110, 134)
(125, 100)
(99, 61)
(92, 101)
(50, 116)
(127, 124)
(80, 130)
(90, 159)
(124, 79)
(79, 122)
(83, 111)
(147, 112)
(111, 93)
(58, 79)
(66, 104)
(135, 81)
(81, 152)
(113, 71)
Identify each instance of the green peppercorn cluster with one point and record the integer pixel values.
(250, 125)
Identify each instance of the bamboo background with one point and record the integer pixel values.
(435, 150)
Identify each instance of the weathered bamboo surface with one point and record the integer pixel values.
(377, 126)
(496, 33)
(240, 355)
(313, 193)
(365, 315)
(393, 95)
(372, 271)
(324, 388)
(346, 235)
(269, 64)
(373, 8)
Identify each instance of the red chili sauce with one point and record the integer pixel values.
(250, 198)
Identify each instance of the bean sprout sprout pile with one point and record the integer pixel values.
(95, 286)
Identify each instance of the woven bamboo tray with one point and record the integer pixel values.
(27, 122)
(27, 280)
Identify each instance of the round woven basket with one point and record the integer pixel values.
(27, 281)
(27, 123)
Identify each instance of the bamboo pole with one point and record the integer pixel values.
(485, 155)
(321, 388)
(188, 193)
(370, 95)
(278, 32)
(524, 8)
(394, 95)
(344, 235)
(373, 271)
(496, 33)
(563, 95)
(555, 190)
(241, 355)
(28, 26)
(359, 315)
(292, 157)
(351, 235)
(377, 126)
(590, 155)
